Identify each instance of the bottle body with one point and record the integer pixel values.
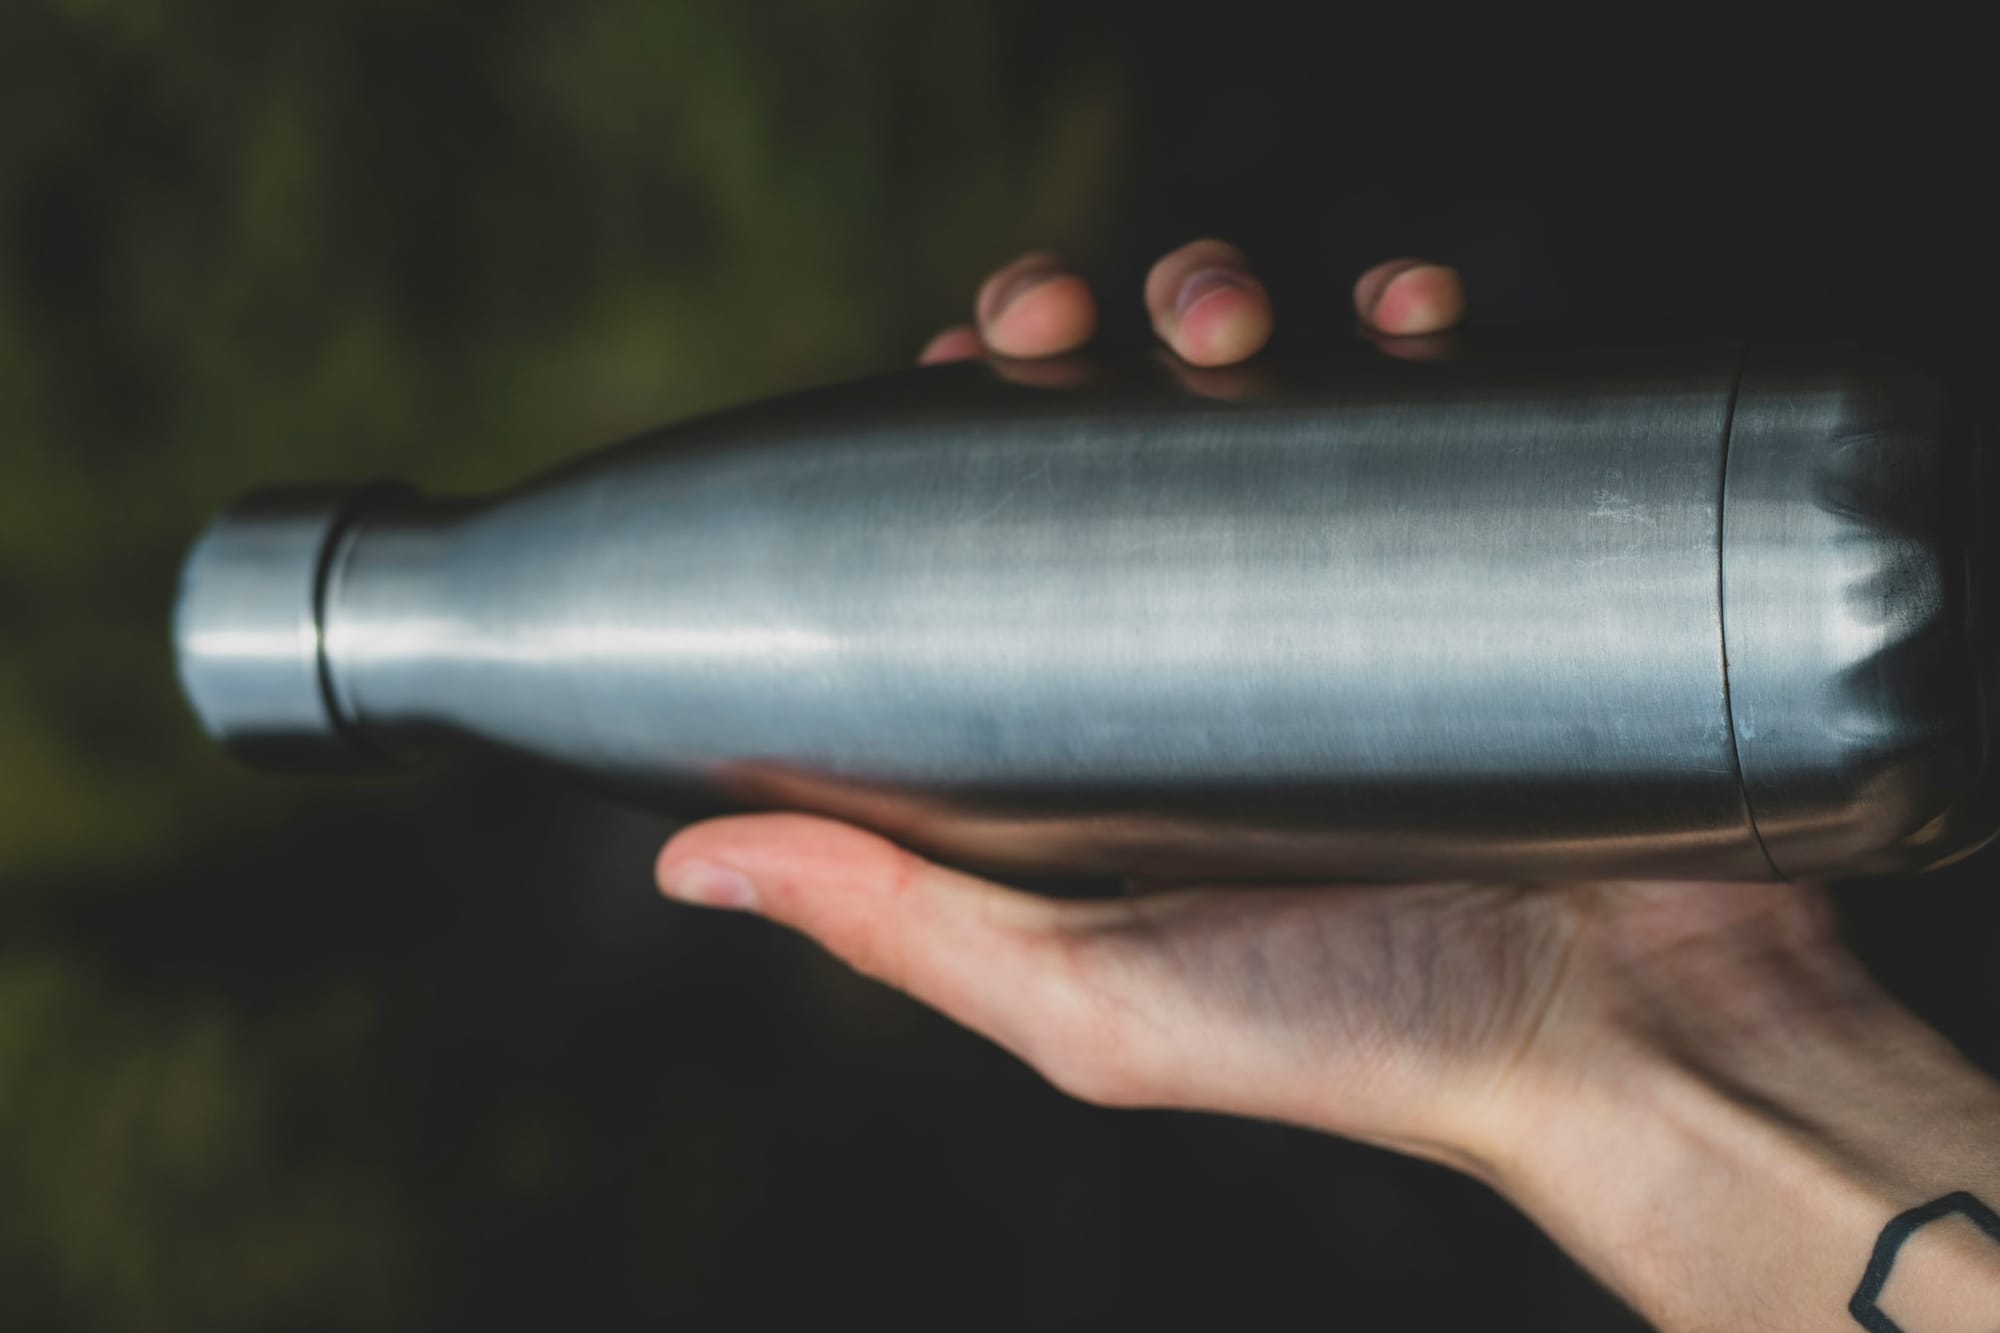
(1497, 614)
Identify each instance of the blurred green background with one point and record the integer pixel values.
(453, 242)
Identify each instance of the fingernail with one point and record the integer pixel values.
(1204, 283)
(706, 884)
(1016, 287)
(1382, 293)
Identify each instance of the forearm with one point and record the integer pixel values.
(1749, 1186)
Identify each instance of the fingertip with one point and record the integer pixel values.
(1369, 286)
(1228, 322)
(770, 849)
(709, 884)
(957, 343)
(1009, 280)
(1423, 298)
(1207, 304)
(1169, 273)
(1055, 313)
(967, 946)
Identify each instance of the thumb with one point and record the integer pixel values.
(1010, 965)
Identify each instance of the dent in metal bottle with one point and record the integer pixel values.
(1551, 608)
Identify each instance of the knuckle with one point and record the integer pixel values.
(872, 938)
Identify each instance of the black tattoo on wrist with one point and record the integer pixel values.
(1901, 1227)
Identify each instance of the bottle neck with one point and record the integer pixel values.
(389, 620)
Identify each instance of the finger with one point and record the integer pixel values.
(1410, 296)
(997, 960)
(1035, 307)
(960, 342)
(1207, 305)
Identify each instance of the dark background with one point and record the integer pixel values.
(431, 1053)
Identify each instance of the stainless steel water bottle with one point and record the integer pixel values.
(1548, 607)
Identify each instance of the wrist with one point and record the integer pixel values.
(1754, 1169)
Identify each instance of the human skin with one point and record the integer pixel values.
(1696, 1089)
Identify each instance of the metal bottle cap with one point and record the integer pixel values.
(247, 640)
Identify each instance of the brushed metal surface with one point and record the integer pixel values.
(1353, 616)
(1370, 618)
(1857, 694)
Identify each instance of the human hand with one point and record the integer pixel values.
(1585, 1048)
